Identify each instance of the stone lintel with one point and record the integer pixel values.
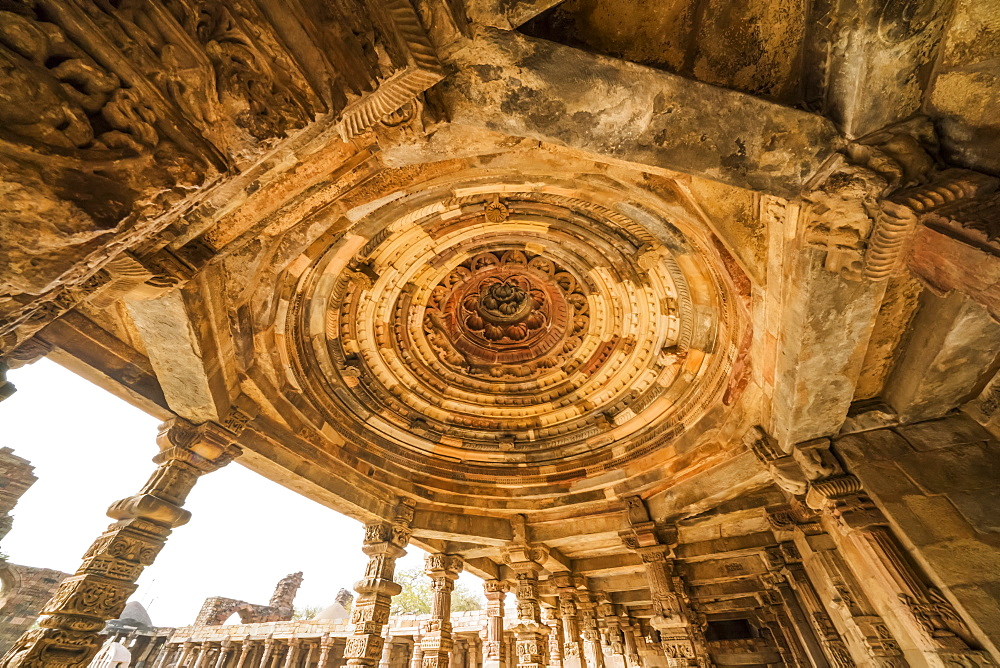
(625, 112)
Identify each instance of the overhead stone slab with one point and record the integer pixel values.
(534, 88)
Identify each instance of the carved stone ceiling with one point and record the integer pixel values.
(504, 257)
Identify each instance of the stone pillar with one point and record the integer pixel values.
(833, 646)
(593, 652)
(309, 654)
(224, 648)
(245, 646)
(417, 659)
(680, 638)
(631, 647)
(493, 645)
(616, 643)
(551, 619)
(443, 570)
(777, 582)
(471, 654)
(385, 660)
(529, 631)
(70, 623)
(325, 647)
(922, 613)
(166, 656)
(383, 543)
(771, 611)
(265, 656)
(294, 644)
(572, 646)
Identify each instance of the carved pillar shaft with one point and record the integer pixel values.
(833, 646)
(386, 658)
(919, 611)
(293, 652)
(383, 543)
(417, 660)
(265, 656)
(551, 619)
(223, 653)
(631, 647)
(530, 631)
(591, 634)
(493, 645)
(325, 647)
(800, 626)
(443, 570)
(572, 645)
(244, 652)
(71, 621)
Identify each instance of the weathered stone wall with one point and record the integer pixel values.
(15, 478)
(23, 592)
(938, 482)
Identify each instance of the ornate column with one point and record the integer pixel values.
(309, 654)
(70, 623)
(224, 648)
(777, 580)
(203, 652)
(166, 656)
(551, 619)
(616, 643)
(325, 647)
(383, 543)
(771, 612)
(471, 654)
(417, 659)
(443, 570)
(385, 659)
(493, 647)
(265, 656)
(245, 647)
(678, 635)
(866, 633)
(572, 646)
(529, 631)
(591, 634)
(926, 615)
(631, 647)
(294, 644)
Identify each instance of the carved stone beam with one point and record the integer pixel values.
(71, 621)
(643, 116)
(383, 543)
(506, 15)
(443, 570)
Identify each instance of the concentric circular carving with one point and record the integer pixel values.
(445, 342)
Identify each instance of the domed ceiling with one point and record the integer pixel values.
(507, 338)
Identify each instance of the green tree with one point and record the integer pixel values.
(415, 599)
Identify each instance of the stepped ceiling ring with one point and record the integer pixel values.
(561, 340)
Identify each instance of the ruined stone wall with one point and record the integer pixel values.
(938, 482)
(23, 593)
(15, 478)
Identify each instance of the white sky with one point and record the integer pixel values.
(90, 448)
